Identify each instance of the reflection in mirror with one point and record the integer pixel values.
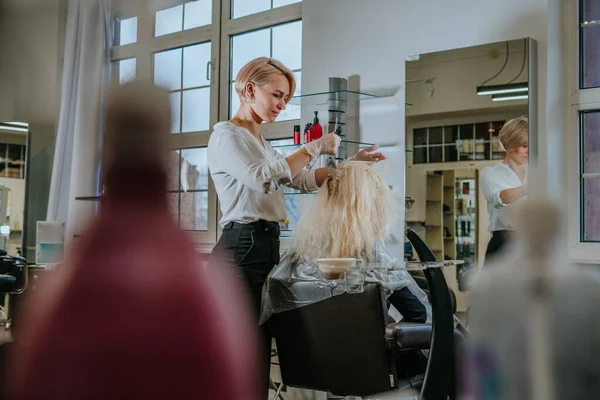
(13, 145)
(460, 101)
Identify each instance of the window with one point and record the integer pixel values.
(183, 17)
(284, 43)
(467, 142)
(195, 50)
(188, 188)
(583, 136)
(124, 31)
(242, 8)
(182, 71)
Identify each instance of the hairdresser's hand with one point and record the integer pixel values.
(369, 154)
(327, 144)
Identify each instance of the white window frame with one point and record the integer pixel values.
(219, 33)
(580, 100)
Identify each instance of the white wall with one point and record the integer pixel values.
(456, 74)
(30, 44)
(372, 39)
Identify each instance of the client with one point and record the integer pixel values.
(352, 217)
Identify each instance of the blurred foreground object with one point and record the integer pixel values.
(131, 315)
(535, 321)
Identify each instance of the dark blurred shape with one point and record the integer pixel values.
(131, 314)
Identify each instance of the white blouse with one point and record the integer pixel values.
(249, 176)
(494, 180)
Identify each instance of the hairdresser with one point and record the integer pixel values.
(249, 176)
(506, 183)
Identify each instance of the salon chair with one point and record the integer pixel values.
(13, 281)
(343, 345)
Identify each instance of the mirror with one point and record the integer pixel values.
(457, 103)
(13, 149)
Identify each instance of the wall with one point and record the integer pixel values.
(456, 74)
(30, 48)
(373, 39)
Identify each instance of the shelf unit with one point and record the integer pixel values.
(434, 215)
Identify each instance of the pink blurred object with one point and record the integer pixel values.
(132, 315)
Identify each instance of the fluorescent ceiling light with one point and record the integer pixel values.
(24, 124)
(5, 127)
(501, 89)
(510, 96)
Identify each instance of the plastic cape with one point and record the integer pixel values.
(295, 283)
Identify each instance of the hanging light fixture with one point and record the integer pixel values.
(510, 90)
(510, 96)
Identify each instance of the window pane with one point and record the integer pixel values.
(173, 202)
(483, 131)
(450, 134)
(436, 154)
(497, 152)
(175, 99)
(194, 211)
(126, 70)
(287, 44)
(591, 142)
(450, 153)
(436, 136)
(590, 59)
(419, 155)
(234, 100)
(420, 137)
(194, 169)
(173, 173)
(197, 13)
(281, 3)
(169, 21)
(466, 149)
(465, 131)
(590, 10)
(195, 60)
(292, 111)
(241, 8)
(591, 209)
(126, 31)
(167, 69)
(196, 110)
(249, 46)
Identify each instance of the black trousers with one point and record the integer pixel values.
(252, 250)
(408, 305)
(497, 244)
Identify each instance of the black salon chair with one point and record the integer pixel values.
(344, 345)
(13, 281)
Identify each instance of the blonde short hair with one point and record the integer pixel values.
(514, 133)
(259, 71)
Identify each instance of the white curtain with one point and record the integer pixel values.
(78, 140)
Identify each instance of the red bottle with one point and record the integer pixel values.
(308, 134)
(297, 136)
(317, 129)
(132, 315)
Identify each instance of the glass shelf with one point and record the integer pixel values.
(322, 98)
(88, 198)
(291, 146)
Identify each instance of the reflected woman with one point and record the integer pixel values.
(506, 183)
